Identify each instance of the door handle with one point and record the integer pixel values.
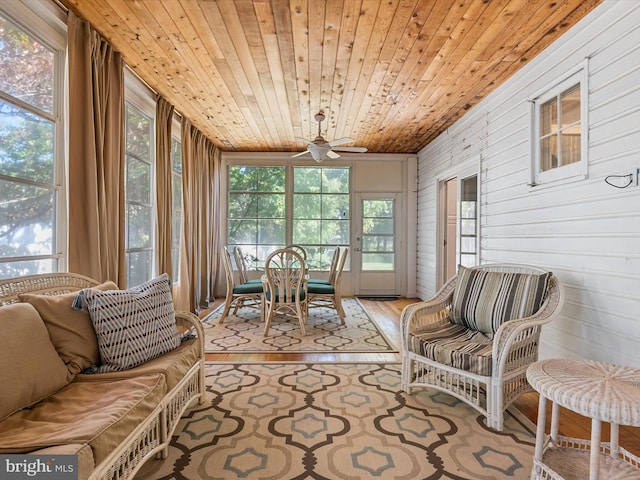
(357, 249)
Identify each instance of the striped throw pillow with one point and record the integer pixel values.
(483, 300)
(132, 326)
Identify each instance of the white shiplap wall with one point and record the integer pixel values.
(585, 231)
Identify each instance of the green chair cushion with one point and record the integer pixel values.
(247, 288)
(319, 288)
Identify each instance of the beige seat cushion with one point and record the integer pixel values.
(173, 365)
(71, 331)
(101, 414)
(82, 451)
(30, 368)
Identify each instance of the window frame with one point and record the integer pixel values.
(141, 98)
(177, 250)
(48, 27)
(573, 171)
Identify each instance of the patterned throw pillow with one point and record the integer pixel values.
(484, 300)
(132, 326)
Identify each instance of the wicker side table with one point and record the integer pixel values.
(601, 391)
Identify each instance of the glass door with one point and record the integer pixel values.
(376, 255)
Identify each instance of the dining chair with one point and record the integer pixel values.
(328, 294)
(332, 270)
(239, 294)
(285, 287)
(300, 250)
(242, 265)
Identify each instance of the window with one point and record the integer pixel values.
(317, 206)
(139, 201)
(468, 250)
(176, 216)
(256, 210)
(31, 158)
(378, 235)
(320, 212)
(559, 131)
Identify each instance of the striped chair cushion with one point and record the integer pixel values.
(456, 346)
(483, 300)
(132, 326)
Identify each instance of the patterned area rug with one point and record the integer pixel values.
(244, 332)
(336, 421)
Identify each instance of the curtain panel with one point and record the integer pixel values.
(164, 190)
(201, 181)
(96, 155)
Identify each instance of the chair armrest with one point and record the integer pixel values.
(188, 322)
(520, 338)
(431, 313)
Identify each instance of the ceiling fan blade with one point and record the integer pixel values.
(303, 140)
(332, 154)
(300, 154)
(351, 149)
(341, 141)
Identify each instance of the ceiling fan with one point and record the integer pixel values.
(320, 149)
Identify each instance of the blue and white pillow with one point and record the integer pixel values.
(132, 326)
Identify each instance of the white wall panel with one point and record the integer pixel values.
(584, 230)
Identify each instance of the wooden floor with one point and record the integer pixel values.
(387, 316)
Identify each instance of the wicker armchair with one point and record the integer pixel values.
(485, 370)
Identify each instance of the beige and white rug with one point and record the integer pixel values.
(336, 421)
(244, 332)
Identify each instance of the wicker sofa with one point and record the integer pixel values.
(113, 421)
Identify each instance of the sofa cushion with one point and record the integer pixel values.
(484, 300)
(173, 365)
(132, 326)
(31, 368)
(101, 414)
(81, 451)
(456, 346)
(71, 330)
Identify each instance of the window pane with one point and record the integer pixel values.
(176, 192)
(138, 186)
(306, 232)
(26, 220)
(307, 180)
(139, 227)
(468, 244)
(243, 205)
(271, 231)
(334, 232)
(242, 179)
(28, 67)
(570, 106)
(549, 117)
(27, 267)
(138, 267)
(270, 205)
(176, 156)
(242, 231)
(378, 225)
(336, 180)
(271, 179)
(176, 220)
(548, 153)
(138, 133)
(377, 208)
(335, 206)
(377, 261)
(570, 149)
(467, 227)
(307, 206)
(377, 243)
(26, 144)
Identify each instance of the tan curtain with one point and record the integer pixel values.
(96, 155)
(201, 180)
(164, 196)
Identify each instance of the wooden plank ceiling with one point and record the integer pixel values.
(391, 74)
